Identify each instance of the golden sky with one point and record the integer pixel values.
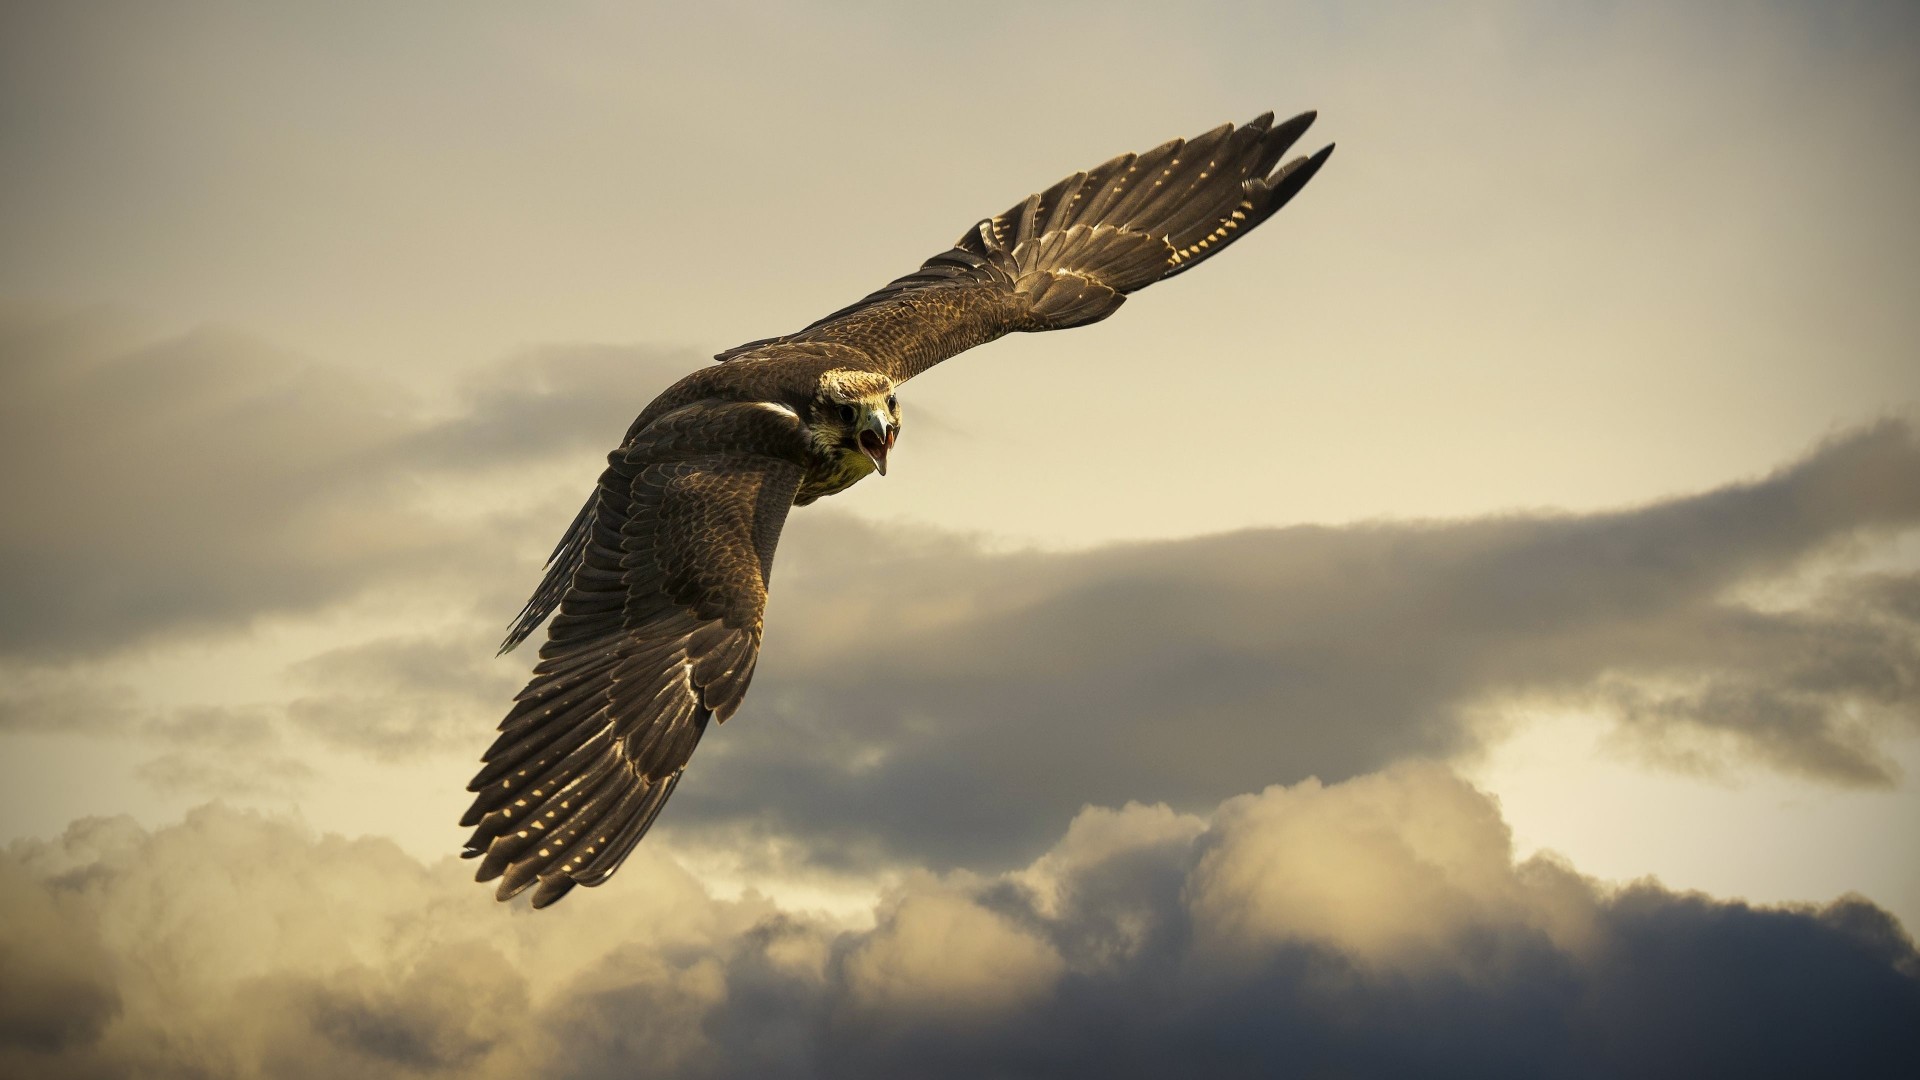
(1489, 599)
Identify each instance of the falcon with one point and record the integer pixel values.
(661, 580)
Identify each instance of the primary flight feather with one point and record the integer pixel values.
(661, 580)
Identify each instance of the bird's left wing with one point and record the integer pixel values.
(658, 633)
(1069, 255)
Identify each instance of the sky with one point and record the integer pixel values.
(1471, 628)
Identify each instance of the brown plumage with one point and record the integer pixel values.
(661, 580)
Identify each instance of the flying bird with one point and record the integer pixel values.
(661, 580)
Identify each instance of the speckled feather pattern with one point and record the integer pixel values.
(1069, 255)
(657, 634)
(661, 581)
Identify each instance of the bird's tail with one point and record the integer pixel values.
(1078, 248)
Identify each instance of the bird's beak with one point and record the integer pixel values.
(876, 439)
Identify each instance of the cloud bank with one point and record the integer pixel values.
(1377, 926)
(921, 695)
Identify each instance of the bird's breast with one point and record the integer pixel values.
(832, 473)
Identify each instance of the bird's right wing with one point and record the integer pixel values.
(1069, 255)
(658, 633)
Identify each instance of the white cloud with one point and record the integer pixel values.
(1393, 868)
(938, 957)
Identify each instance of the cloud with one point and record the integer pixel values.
(1369, 926)
(402, 695)
(201, 750)
(938, 957)
(902, 667)
(922, 696)
(222, 752)
(197, 479)
(41, 700)
(204, 774)
(1392, 870)
(196, 482)
(59, 992)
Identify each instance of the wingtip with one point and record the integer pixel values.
(1280, 139)
(516, 634)
(1300, 170)
(551, 891)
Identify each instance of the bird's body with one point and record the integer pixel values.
(660, 583)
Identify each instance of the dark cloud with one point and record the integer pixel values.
(922, 697)
(59, 991)
(441, 1015)
(199, 481)
(1374, 927)
(186, 483)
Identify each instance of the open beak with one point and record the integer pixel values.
(876, 439)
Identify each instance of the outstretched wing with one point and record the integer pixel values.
(1070, 255)
(658, 633)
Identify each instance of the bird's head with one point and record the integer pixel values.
(856, 417)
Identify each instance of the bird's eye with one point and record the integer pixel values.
(847, 414)
(892, 403)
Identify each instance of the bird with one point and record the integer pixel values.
(660, 582)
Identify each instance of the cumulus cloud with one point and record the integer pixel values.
(938, 957)
(1370, 926)
(198, 481)
(921, 695)
(1388, 869)
(59, 992)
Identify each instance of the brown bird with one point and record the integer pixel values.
(661, 580)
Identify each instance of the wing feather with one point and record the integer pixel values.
(1069, 255)
(657, 634)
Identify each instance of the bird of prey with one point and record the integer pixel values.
(661, 580)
